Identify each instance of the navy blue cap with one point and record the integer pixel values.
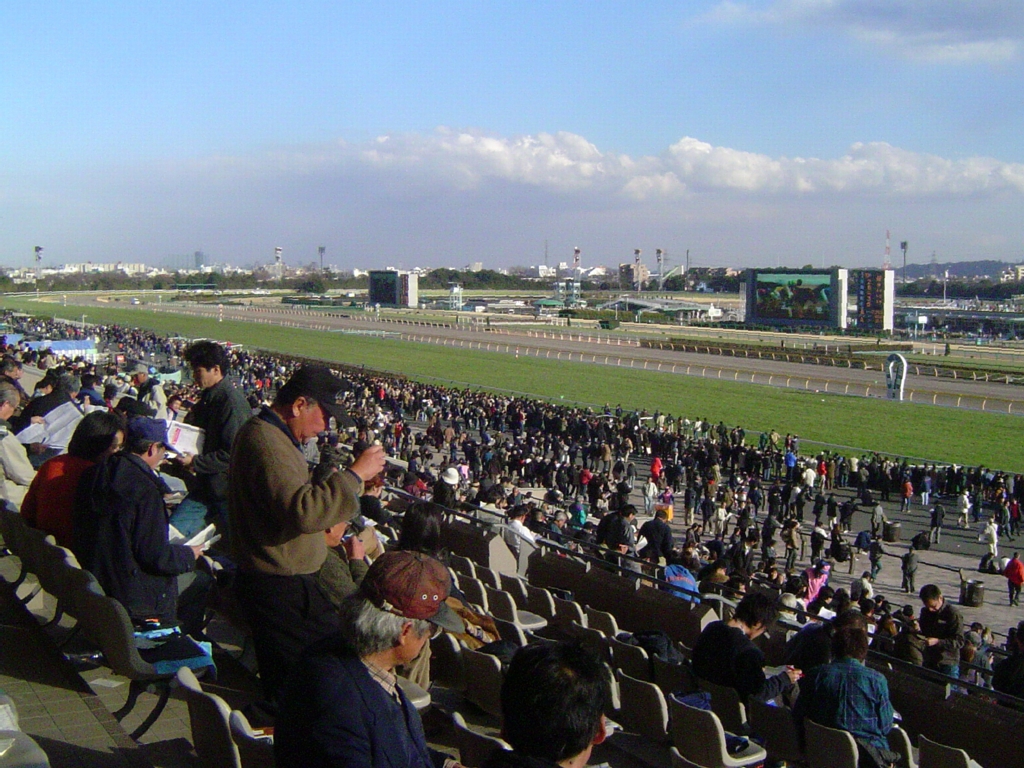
(153, 430)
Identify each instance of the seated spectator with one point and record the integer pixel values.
(120, 534)
(553, 702)
(16, 470)
(726, 655)
(345, 566)
(515, 529)
(369, 503)
(845, 694)
(421, 529)
(342, 705)
(1008, 674)
(49, 503)
(89, 394)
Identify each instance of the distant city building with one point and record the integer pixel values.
(1012, 274)
(475, 266)
(633, 274)
(90, 267)
(394, 288)
(542, 270)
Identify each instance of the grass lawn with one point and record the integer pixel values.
(860, 424)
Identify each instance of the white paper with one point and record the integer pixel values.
(61, 424)
(56, 430)
(204, 536)
(185, 438)
(33, 433)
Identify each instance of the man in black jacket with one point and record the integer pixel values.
(221, 411)
(726, 655)
(120, 533)
(659, 537)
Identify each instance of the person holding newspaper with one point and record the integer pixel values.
(221, 412)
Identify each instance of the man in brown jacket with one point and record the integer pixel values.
(278, 518)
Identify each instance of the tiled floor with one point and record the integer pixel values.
(67, 708)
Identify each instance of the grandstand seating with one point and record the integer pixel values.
(631, 659)
(483, 680)
(474, 748)
(829, 747)
(642, 708)
(255, 751)
(726, 703)
(935, 755)
(777, 728)
(209, 716)
(699, 736)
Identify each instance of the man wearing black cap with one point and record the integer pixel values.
(342, 705)
(278, 517)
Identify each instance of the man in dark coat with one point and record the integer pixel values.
(342, 705)
(120, 533)
(222, 410)
(659, 537)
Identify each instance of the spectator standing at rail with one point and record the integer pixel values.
(659, 538)
(943, 626)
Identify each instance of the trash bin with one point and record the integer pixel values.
(972, 593)
(891, 532)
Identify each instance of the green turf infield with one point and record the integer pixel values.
(859, 424)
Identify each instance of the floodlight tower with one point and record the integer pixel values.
(320, 251)
(903, 247)
(278, 267)
(636, 269)
(661, 269)
(39, 258)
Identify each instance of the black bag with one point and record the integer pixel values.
(657, 643)
(921, 541)
(503, 649)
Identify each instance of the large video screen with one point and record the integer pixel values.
(791, 297)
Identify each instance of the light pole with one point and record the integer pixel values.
(321, 250)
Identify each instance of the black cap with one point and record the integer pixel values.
(318, 383)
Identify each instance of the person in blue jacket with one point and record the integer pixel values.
(342, 705)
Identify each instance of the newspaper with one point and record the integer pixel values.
(205, 538)
(57, 427)
(185, 438)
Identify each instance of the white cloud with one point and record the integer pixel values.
(455, 196)
(928, 30)
(564, 163)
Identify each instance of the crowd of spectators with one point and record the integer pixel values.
(746, 505)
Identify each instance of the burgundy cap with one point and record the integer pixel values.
(412, 585)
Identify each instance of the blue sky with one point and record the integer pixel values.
(752, 133)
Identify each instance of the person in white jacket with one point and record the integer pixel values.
(17, 470)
